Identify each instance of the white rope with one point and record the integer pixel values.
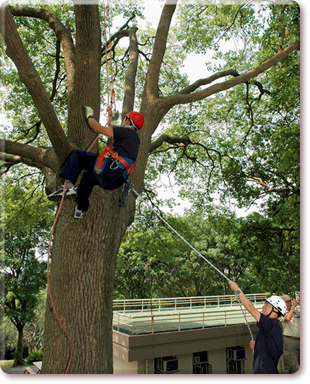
(136, 194)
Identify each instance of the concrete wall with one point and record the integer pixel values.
(185, 363)
(121, 366)
(216, 358)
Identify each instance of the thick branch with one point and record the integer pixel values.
(185, 98)
(168, 139)
(152, 77)
(62, 33)
(130, 81)
(199, 83)
(86, 74)
(34, 156)
(12, 160)
(30, 77)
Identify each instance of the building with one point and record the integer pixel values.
(200, 335)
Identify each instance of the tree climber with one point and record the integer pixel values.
(109, 173)
(268, 345)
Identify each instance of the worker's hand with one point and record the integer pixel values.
(88, 112)
(233, 286)
(294, 303)
(115, 116)
(252, 344)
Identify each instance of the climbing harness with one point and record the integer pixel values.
(136, 194)
(124, 164)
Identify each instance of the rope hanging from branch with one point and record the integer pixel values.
(108, 51)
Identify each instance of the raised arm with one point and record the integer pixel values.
(248, 305)
(89, 114)
(107, 131)
(290, 313)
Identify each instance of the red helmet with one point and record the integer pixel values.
(136, 119)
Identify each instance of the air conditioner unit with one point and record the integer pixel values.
(170, 365)
(238, 354)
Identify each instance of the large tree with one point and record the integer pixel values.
(84, 253)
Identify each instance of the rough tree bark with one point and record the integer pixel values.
(84, 253)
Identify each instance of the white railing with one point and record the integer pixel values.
(176, 321)
(159, 304)
(148, 316)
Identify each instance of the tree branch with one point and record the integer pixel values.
(184, 97)
(130, 81)
(185, 140)
(63, 34)
(152, 76)
(30, 155)
(260, 181)
(122, 32)
(30, 77)
(199, 83)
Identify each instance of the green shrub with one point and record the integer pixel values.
(34, 356)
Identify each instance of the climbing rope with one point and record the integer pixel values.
(107, 37)
(136, 194)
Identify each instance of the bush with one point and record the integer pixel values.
(34, 356)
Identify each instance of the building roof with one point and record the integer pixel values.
(180, 314)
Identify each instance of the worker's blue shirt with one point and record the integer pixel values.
(126, 142)
(268, 346)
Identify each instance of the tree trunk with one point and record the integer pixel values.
(19, 348)
(82, 277)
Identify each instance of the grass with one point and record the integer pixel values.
(6, 364)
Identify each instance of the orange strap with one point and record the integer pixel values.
(114, 155)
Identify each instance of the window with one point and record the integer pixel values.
(164, 365)
(200, 363)
(235, 357)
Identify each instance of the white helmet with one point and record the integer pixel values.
(278, 303)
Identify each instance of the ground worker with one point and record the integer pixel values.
(291, 335)
(268, 346)
(114, 170)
